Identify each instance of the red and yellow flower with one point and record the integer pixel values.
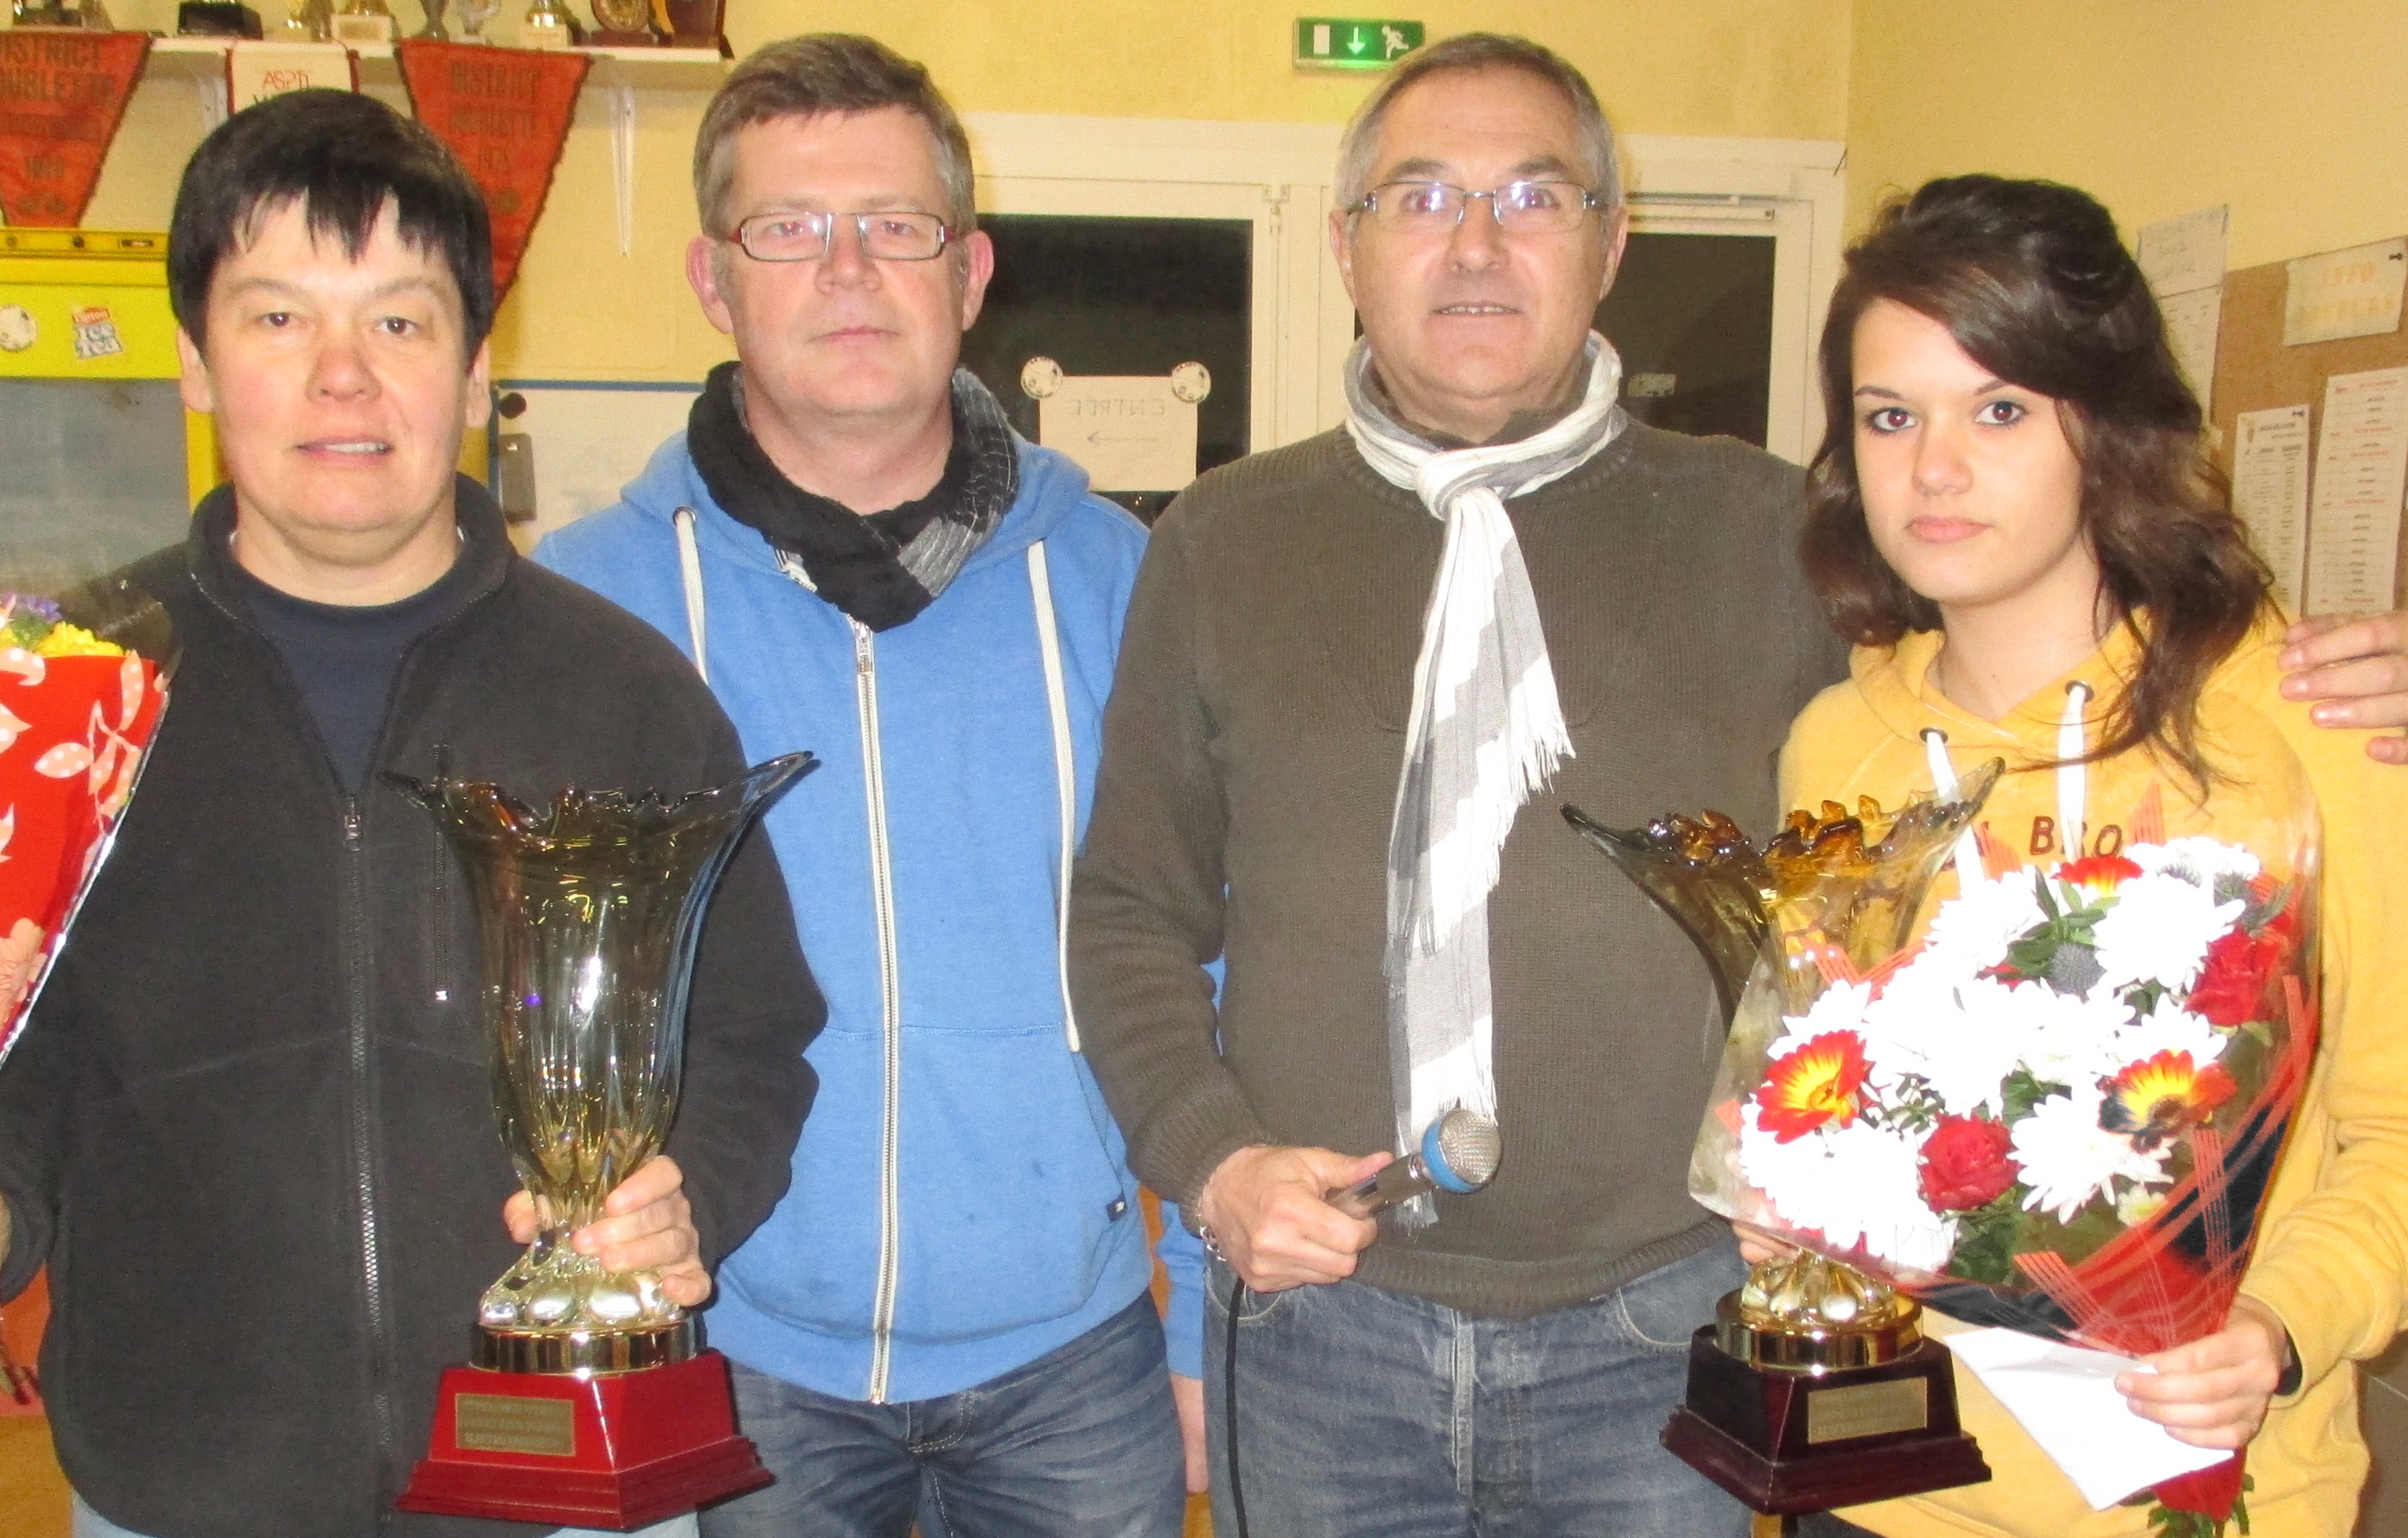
(2099, 874)
(1814, 1087)
(2160, 1097)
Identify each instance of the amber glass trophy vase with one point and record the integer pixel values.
(1815, 1387)
(586, 1403)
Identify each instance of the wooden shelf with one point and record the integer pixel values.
(646, 68)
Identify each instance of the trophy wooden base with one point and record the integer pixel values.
(616, 1450)
(613, 37)
(1786, 1442)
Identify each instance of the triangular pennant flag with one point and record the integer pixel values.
(66, 92)
(505, 112)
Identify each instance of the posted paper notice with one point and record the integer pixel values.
(2354, 292)
(2186, 254)
(2354, 510)
(2269, 492)
(2192, 320)
(1129, 431)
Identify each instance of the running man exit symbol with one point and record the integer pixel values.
(1347, 42)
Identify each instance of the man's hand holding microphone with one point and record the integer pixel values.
(1282, 1217)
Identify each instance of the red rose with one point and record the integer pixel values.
(2234, 979)
(1965, 1164)
(2211, 1491)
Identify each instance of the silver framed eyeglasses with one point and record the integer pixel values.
(798, 234)
(1532, 208)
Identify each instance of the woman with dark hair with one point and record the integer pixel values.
(2014, 518)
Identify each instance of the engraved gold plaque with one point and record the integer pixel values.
(1868, 1409)
(504, 1423)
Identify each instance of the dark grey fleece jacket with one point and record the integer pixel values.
(1251, 754)
(249, 1126)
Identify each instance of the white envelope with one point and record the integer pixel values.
(2065, 1398)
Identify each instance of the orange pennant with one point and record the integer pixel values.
(63, 93)
(505, 112)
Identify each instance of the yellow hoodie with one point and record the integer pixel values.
(2332, 1250)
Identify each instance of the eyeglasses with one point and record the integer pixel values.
(797, 236)
(1520, 208)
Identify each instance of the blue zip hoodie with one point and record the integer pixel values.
(962, 1203)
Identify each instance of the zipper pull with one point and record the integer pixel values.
(862, 662)
(352, 824)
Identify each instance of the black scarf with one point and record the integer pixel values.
(881, 568)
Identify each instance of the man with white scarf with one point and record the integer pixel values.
(1347, 665)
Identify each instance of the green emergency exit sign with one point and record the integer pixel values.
(1346, 42)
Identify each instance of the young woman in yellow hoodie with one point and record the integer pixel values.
(2014, 518)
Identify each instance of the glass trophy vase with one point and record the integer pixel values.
(589, 912)
(1815, 1387)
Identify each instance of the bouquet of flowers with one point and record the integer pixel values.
(2054, 1105)
(82, 688)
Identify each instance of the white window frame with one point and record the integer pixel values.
(1279, 174)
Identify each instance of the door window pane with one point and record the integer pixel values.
(1692, 317)
(1126, 296)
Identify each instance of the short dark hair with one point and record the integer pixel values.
(1476, 52)
(342, 156)
(2032, 283)
(827, 72)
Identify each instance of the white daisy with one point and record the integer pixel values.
(2072, 1038)
(1902, 1026)
(1963, 1039)
(1857, 1185)
(1969, 934)
(2159, 930)
(2169, 1029)
(2066, 1157)
(1840, 1006)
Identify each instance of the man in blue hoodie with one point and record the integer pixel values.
(948, 1317)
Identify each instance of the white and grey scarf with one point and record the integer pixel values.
(1485, 733)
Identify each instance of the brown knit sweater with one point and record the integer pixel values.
(1251, 753)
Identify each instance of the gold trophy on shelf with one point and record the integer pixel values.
(548, 24)
(1815, 1387)
(587, 1402)
(623, 24)
(359, 22)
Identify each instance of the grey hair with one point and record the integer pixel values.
(827, 72)
(1471, 52)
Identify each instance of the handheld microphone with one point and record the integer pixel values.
(1458, 1155)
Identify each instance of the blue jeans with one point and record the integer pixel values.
(1367, 1412)
(87, 1523)
(1082, 1443)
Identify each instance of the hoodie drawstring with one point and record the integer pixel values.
(2072, 777)
(690, 569)
(1969, 871)
(1065, 776)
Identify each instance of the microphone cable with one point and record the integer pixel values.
(1230, 1400)
(1459, 1153)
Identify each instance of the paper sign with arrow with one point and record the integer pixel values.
(1130, 432)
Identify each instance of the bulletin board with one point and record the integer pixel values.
(2255, 371)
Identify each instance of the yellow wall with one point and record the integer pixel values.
(2289, 112)
(1776, 69)
(2286, 111)
(1771, 68)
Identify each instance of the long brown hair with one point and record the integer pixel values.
(2030, 281)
